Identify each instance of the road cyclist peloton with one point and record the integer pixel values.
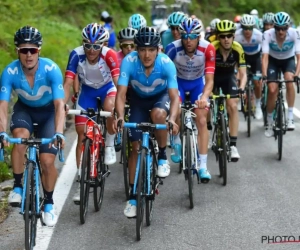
(98, 72)
(229, 55)
(37, 82)
(279, 47)
(152, 76)
(251, 39)
(194, 59)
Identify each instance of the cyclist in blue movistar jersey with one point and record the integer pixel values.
(153, 80)
(37, 82)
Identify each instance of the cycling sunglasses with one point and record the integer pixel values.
(190, 36)
(247, 27)
(25, 50)
(126, 45)
(174, 27)
(90, 46)
(226, 36)
(278, 28)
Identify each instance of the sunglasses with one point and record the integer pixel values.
(226, 36)
(174, 27)
(125, 45)
(26, 50)
(190, 36)
(90, 46)
(247, 27)
(284, 28)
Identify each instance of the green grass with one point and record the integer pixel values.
(5, 166)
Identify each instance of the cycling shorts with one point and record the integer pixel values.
(255, 62)
(276, 66)
(87, 98)
(195, 87)
(140, 110)
(24, 116)
(227, 83)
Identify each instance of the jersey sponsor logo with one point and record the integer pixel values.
(123, 74)
(12, 71)
(190, 63)
(165, 60)
(60, 86)
(3, 89)
(132, 58)
(167, 105)
(211, 53)
(50, 68)
(111, 59)
(285, 47)
(243, 56)
(40, 93)
(147, 89)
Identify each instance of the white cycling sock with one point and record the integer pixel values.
(270, 118)
(290, 113)
(257, 104)
(203, 161)
(109, 140)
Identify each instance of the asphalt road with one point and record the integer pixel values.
(260, 201)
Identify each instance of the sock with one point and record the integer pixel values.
(109, 140)
(233, 140)
(18, 180)
(162, 153)
(270, 118)
(290, 113)
(257, 103)
(203, 161)
(176, 139)
(48, 197)
(131, 195)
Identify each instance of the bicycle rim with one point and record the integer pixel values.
(140, 198)
(264, 105)
(85, 182)
(279, 129)
(125, 153)
(99, 180)
(189, 167)
(150, 199)
(249, 111)
(224, 150)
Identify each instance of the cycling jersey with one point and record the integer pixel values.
(46, 88)
(97, 75)
(289, 48)
(191, 68)
(120, 56)
(166, 38)
(254, 45)
(162, 77)
(210, 37)
(235, 57)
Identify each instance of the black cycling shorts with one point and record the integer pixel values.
(276, 66)
(227, 83)
(255, 62)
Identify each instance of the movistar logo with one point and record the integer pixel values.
(12, 71)
(49, 68)
(165, 60)
(132, 58)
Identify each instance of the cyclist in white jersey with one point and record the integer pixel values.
(279, 46)
(251, 39)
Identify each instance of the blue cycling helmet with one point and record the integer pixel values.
(176, 18)
(147, 37)
(28, 34)
(282, 19)
(137, 21)
(190, 26)
(95, 33)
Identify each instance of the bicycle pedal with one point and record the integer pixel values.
(161, 182)
(76, 202)
(156, 191)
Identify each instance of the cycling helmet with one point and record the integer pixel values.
(254, 12)
(247, 20)
(176, 18)
(213, 23)
(237, 19)
(95, 33)
(226, 26)
(127, 34)
(282, 19)
(190, 26)
(137, 21)
(268, 18)
(28, 34)
(147, 37)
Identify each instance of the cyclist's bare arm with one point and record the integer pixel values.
(120, 100)
(69, 82)
(3, 115)
(76, 85)
(173, 94)
(298, 65)
(243, 77)
(59, 115)
(115, 80)
(265, 62)
(209, 85)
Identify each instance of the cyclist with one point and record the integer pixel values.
(152, 76)
(237, 20)
(195, 63)
(255, 15)
(108, 25)
(230, 54)
(98, 72)
(126, 40)
(211, 36)
(38, 84)
(172, 33)
(137, 21)
(279, 47)
(251, 38)
(268, 21)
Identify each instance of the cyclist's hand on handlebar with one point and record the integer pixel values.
(58, 140)
(74, 97)
(264, 78)
(173, 127)
(202, 103)
(296, 79)
(241, 91)
(4, 137)
(118, 124)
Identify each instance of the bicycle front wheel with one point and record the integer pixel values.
(181, 139)
(30, 209)
(150, 198)
(125, 153)
(85, 181)
(140, 197)
(223, 151)
(249, 110)
(279, 128)
(99, 180)
(189, 171)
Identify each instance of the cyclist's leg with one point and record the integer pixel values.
(288, 68)
(20, 126)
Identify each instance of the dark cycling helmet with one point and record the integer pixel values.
(95, 33)
(147, 37)
(226, 26)
(127, 34)
(282, 19)
(28, 34)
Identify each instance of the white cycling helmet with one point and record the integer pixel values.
(247, 20)
(213, 23)
(282, 19)
(254, 12)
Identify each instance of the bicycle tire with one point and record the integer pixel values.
(223, 152)
(140, 198)
(30, 209)
(264, 104)
(278, 128)
(85, 181)
(189, 167)
(150, 199)
(249, 110)
(125, 152)
(181, 138)
(99, 180)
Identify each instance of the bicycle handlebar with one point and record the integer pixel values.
(145, 125)
(89, 112)
(228, 96)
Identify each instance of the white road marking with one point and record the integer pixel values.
(61, 192)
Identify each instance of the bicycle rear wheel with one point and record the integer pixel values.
(30, 209)
(85, 181)
(150, 198)
(125, 153)
(99, 180)
(279, 128)
(140, 197)
(189, 167)
(249, 110)
(223, 151)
